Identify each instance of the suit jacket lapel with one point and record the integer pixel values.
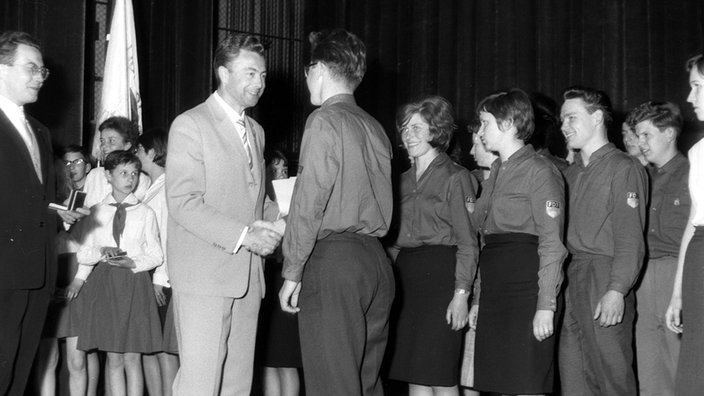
(256, 151)
(14, 138)
(42, 145)
(226, 128)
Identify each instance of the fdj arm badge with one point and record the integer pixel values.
(552, 208)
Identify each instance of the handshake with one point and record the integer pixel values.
(263, 237)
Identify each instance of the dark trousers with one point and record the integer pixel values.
(346, 295)
(22, 314)
(594, 360)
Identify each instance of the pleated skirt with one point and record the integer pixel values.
(120, 312)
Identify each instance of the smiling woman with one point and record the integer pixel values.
(436, 252)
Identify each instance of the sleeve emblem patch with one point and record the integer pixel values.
(552, 208)
(469, 203)
(632, 199)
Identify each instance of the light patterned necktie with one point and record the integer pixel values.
(245, 141)
(31, 142)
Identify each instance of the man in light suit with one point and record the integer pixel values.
(215, 192)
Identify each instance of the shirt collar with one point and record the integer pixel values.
(673, 164)
(130, 199)
(522, 152)
(601, 152)
(231, 114)
(340, 98)
(10, 108)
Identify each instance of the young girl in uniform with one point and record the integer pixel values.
(121, 245)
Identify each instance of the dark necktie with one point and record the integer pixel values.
(118, 222)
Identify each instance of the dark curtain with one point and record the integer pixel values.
(463, 50)
(60, 26)
(175, 52)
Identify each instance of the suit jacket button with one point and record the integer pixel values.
(42, 224)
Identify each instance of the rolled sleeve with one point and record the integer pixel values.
(629, 188)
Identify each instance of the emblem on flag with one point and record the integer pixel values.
(632, 199)
(552, 208)
(677, 202)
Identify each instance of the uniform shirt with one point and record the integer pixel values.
(607, 212)
(669, 207)
(696, 182)
(97, 186)
(435, 210)
(140, 238)
(526, 194)
(155, 198)
(343, 182)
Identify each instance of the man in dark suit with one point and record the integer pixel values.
(27, 270)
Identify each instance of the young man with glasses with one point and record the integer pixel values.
(341, 204)
(27, 227)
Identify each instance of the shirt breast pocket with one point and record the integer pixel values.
(675, 211)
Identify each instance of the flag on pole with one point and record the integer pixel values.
(120, 94)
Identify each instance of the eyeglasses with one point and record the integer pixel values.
(76, 162)
(307, 67)
(36, 70)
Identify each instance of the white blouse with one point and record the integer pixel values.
(696, 182)
(140, 238)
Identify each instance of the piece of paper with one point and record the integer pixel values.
(283, 189)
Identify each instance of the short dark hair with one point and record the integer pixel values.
(231, 46)
(511, 105)
(661, 114)
(342, 52)
(437, 112)
(74, 148)
(121, 157)
(275, 156)
(155, 139)
(124, 126)
(593, 99)
(695, 61)
(10, 40)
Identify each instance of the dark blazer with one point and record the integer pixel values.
(27, 226)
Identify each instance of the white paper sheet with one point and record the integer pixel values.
(283, 188)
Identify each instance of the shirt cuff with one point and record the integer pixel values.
(619, 288)
(83, 271)
(546, 303)
(239, 241)
(161, 279)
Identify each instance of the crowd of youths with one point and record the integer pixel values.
(533, 274)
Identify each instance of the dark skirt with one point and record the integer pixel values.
(120, 312)
(690, 380)
(508, 358)
(424, 349)
(278, 343)
(169, 344)
(63, 317)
